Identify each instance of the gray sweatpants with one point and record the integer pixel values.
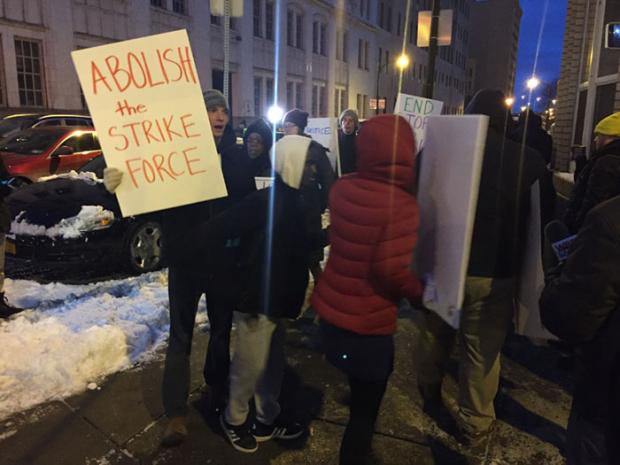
(256, 369)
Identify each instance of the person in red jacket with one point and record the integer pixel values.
(374, 219)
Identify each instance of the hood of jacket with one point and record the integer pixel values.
(613, 148)
(493, 104)
(290, 159)
(262, 128)
(386, 150)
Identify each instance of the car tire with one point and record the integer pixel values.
(143, 247)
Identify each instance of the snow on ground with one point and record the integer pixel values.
(71, 336)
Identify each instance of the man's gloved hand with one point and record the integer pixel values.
(112, 177)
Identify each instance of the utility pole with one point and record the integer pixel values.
(226, 47)
(432, 50)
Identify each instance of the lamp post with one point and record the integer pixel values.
(432, 50)
(402, 62)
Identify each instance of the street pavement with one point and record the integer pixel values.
(121, 421)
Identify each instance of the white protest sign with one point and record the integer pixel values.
(325, 132)
(263, 182)
(416, 111)
(147, 106)
(447, 198)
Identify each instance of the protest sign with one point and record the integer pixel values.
(325, 132)
(447, 197)
(416, 111)
(149, 112)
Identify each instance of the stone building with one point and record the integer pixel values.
(589, 86)
(333, 54)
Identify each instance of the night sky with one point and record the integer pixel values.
(550, 52)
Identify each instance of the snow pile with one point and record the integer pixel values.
(90, 218)
(89, 177)
(74, 335)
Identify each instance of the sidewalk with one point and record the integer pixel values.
(121, 422)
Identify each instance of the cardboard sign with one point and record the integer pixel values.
(416, 111)
(447, 198)
(147, 106)
(325, 132)
(263, 182)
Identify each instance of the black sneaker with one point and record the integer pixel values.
(263, 432)
(6, 310)
(240, 437)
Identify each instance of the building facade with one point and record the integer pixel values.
(495, 28)
(332, 54)
(589, 86)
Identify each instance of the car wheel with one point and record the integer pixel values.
(144, 247)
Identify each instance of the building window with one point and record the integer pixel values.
(29, 72)
(290, 94)
(319, 38)
(215, 20)
(319, 101)
(258, 96)
(362, 105)
(389, 19)
(398, 24)
(362, 54)
(381, 14)
(299, 32)
(269, 91)
(341, 46)
(159, 3)
(269, 20)
(258, 17)
(299, 94)
(179, 6)
(340, 100)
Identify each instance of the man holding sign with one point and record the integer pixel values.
(157, 138)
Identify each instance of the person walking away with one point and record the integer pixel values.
(581, 304)
(6, 309)
(599, 180)
(374, 222)
(348, 126)
(257, 142)
(195, 270)
(531, 133)
(276, 281)
(316, 193)
(508, 173)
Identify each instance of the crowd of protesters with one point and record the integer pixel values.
(252, 252)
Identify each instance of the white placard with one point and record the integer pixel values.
(416, 111)
(149, 112)
(447, 197)
(325, 132)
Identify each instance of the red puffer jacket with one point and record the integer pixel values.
(374, 220)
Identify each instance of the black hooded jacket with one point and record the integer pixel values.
(581, 304)
(598, 181)
(183, 243)
(530, 132)
(261, 165)
(5, 217)
(508, 172)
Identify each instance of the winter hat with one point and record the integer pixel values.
(352, 114)
(609, 126)
(291, 153)
(214, 98)
(263, 129)
(490, 102)
(296, 116)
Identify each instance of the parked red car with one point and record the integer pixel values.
(37, 152)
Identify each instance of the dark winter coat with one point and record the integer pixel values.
(348, 157)
(581, 304)
(598, 181)
(5, 216)
(315, 197)
(530, 132)
(373, 231)
(508, 173)
(181, 225)
(276, 273)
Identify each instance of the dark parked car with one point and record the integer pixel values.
(71, 220)
(12, 124)
(33, 153)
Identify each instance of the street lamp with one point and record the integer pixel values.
(402, 61)
(274, 114)
(538, 99)
(523, 108)
(509, 101)
(533, 83)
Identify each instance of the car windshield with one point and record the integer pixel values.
(10, 125)
(31, 141)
